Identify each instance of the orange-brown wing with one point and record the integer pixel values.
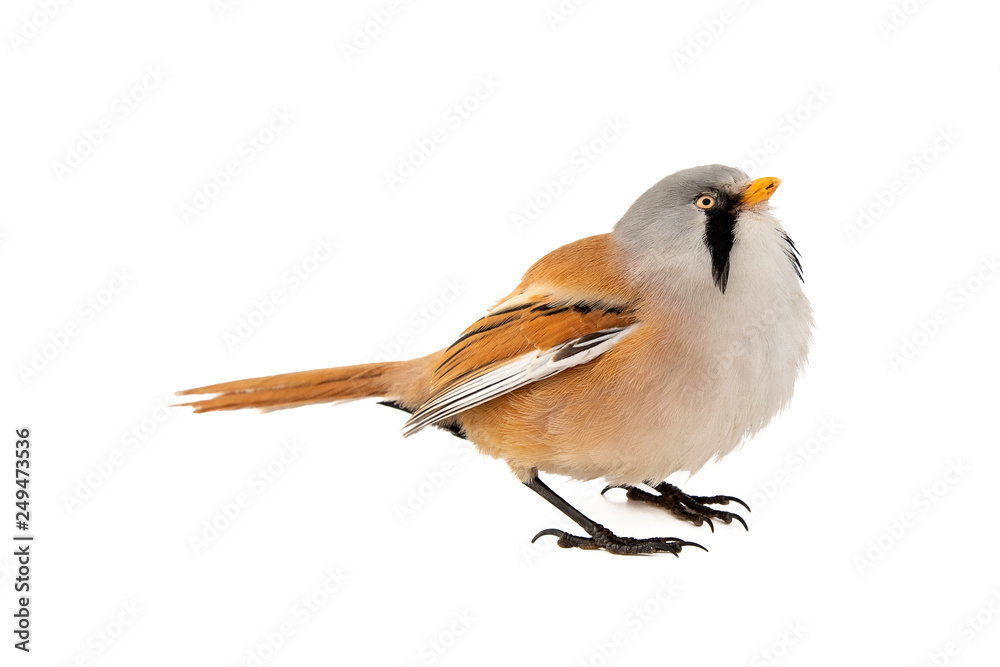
(570, 309)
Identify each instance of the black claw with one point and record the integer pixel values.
(693, 509)
(737, 500)
(613, 486)
(605, 540)
(550, 531)
(721, 500)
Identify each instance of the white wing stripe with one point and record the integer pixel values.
(517, 373)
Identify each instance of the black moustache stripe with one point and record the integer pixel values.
(719, 237)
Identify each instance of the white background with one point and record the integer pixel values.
(844, 548)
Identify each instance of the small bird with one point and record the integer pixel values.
(627, 356)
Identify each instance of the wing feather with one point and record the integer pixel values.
(572, 306)
(511, 348)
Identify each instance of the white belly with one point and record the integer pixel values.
(750, 344)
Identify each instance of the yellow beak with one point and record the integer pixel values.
(759, 191)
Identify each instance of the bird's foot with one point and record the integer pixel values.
(694, 509)
(604, 539)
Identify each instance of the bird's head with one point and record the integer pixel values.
(693, 221)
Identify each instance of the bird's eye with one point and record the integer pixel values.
(705, 201)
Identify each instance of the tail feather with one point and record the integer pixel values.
(290, 390)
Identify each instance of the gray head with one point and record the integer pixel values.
(694, 216)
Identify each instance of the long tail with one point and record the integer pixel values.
(291, 390)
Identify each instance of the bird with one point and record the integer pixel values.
(627, 356)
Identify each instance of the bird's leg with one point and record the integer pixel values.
(601, 537)
(693, 509)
